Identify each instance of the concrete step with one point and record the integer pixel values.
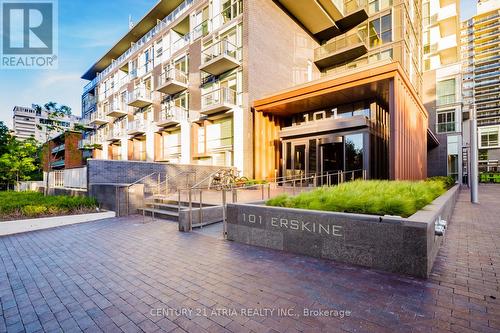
(159, 213)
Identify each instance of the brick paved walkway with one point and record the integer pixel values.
(120, 275)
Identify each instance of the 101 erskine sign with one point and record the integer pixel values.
(294, 224)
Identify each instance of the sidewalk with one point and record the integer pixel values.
(123, 275)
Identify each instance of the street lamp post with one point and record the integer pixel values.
(473, 157)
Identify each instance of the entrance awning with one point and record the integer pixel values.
(366, 83)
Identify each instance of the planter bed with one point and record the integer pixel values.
(390, 243)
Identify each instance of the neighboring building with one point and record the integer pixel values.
(63, 152)
(28, 122)
(481, 80)
(202, 82)
(443, 83)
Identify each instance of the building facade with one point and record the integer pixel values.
(189, 84)
(443, 85)
(481, 80)
(62, 152)
(29, 122)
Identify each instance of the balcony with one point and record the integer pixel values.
(59, 148)
(222, 99)
(136, 127)
(115, 134)
(326, 19)
(447, 12)
(98, 118)
(340, 50)
(172, 81)
(171, 115)
(219, 58)
(117, 110)
(140, 98)
(84, 144)
(57, 164)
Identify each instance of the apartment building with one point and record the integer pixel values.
(481, 80)
(443, 82)
(224, 82)
(29, 122)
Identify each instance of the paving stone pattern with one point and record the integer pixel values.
(123, 275)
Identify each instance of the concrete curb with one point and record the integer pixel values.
(19, 226)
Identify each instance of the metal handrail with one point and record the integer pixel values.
(167, 178)
(195, 186)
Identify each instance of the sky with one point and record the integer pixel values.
(87, 29)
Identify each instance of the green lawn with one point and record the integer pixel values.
(19, 205)
(377, 197)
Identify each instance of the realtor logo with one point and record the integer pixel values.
(29, 34)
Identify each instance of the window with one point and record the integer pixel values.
(446, 92)
(446, 121)
(426, 14)
(378, 5)
(489, 137)
(380, 31)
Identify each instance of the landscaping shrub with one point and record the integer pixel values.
(448, 180)
(32, 210)
(34, 204)
(378, 197)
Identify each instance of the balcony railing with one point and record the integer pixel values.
(222, 99)
(116, 133)
(59, 148)
(173, 74)
(57, 164)
(160, 27)
(172, 114)
(340, 50)
(172, 81)
(98, 118)
(140, 97)
(136, 126)
(201, 30)
(222, 47)
(228, 14)
(220, 57)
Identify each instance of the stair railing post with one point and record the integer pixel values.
(201, 209)
(190, 227)
(224, 221)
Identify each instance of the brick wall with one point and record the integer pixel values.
(73, 157)
(275, 57)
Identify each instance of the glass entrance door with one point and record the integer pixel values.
(296, 157)
(331, 161)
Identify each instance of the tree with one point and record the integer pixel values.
(4, 137)
(19, 161)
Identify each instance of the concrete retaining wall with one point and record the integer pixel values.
(120, 198)
(208, 215)
(127, 172)
(400, 245)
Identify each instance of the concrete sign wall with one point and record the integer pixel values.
(400, 245)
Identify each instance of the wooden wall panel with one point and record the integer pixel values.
(408, 135)
(266, 145)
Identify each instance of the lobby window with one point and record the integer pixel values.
(446, 92)
(354, 152)
(380, 31)
(489, 137)
(446, 121)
